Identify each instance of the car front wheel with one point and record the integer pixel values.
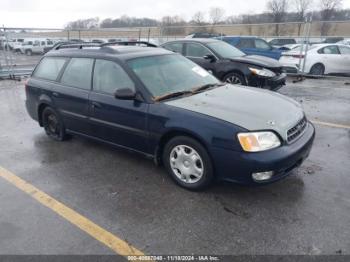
(188, 163)
(235, 79)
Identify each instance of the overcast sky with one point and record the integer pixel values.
(55, 14)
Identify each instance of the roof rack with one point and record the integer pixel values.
(130, 43)
(77, 45)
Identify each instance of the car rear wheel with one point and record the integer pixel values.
(188, 163)
(53, 124)
(235, 79)
(317, 69)
(29, 52)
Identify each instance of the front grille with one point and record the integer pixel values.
(297, 130)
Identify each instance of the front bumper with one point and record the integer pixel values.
(238, 167)
(273, 83)
(276, 82)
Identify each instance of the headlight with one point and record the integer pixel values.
(258, 141)
(262, 72)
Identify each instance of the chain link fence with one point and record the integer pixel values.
(21, 48)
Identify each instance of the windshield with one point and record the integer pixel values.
(167, 74)
(225, 50)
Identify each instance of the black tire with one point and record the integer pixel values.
(53, 124)
(29, 52)
(235, 79)
(204, 163)
(317, 69)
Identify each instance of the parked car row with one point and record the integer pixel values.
(229, 64)
(164, 106)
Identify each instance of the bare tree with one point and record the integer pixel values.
(277, 9)
(301, 8)
(328, 9)
(216, 15)
(173, 25)
(198, 18)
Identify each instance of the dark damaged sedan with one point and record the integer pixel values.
(164, 106)
(229, 64)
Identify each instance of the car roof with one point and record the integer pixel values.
(120, 52)
(239, 36)
(199, 40)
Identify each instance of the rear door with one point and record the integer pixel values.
(196, 52)
(71, 94)
(345, 54)
(121, 122)
(332, 59)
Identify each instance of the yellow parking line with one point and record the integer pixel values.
(113, 242)
(330, 124)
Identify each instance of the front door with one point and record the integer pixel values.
(121, 122)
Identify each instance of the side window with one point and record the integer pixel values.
(49, 68)
(344, 50)
(261, 44)
(49, 42)
(42, 42)
(109, 76)
(78, 73)
(174, 47)
(274, 42)
(245, 43)
(196, 50)
(329, 50)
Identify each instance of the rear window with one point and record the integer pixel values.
(49, 68)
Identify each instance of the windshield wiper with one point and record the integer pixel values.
(207, 86)
(170, 95)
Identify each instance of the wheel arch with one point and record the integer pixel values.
(44, 101)
(170, 134)
(318, 63)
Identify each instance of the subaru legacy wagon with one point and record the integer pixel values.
(164, 106)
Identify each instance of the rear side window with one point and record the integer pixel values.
(49, 68)
(344, 50)
(246, 43)
(329, 50)
(261, 44)
(78, 73)
(196, 50)
(174, 47)
(109, 76)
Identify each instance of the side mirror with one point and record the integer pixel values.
(210, 57)
(125, 94)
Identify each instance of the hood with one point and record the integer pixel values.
(262, 61)
(251, 108)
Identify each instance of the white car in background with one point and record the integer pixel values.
(320, 59)
(36, 46)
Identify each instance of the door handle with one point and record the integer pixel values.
(55, 94)
(95, 105)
